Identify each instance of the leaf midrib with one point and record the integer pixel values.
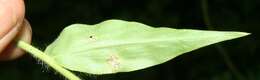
(122, 43)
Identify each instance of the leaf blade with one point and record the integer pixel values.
(121, 46)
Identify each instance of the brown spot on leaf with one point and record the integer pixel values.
(113, 60)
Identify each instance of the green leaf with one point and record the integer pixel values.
(121, 46)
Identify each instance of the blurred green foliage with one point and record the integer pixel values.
(49, 17)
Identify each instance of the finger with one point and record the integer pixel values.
(12, 52)
(11, 14)
(6, 39)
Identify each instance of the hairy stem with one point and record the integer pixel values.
(48, 60)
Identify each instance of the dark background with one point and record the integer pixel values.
(230, 60)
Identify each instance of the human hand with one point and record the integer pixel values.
(13, 27)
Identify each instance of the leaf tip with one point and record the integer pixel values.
(242, 34)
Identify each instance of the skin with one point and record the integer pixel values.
(13, 27)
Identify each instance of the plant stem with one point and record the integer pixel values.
(48, 60)
(221, 49)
